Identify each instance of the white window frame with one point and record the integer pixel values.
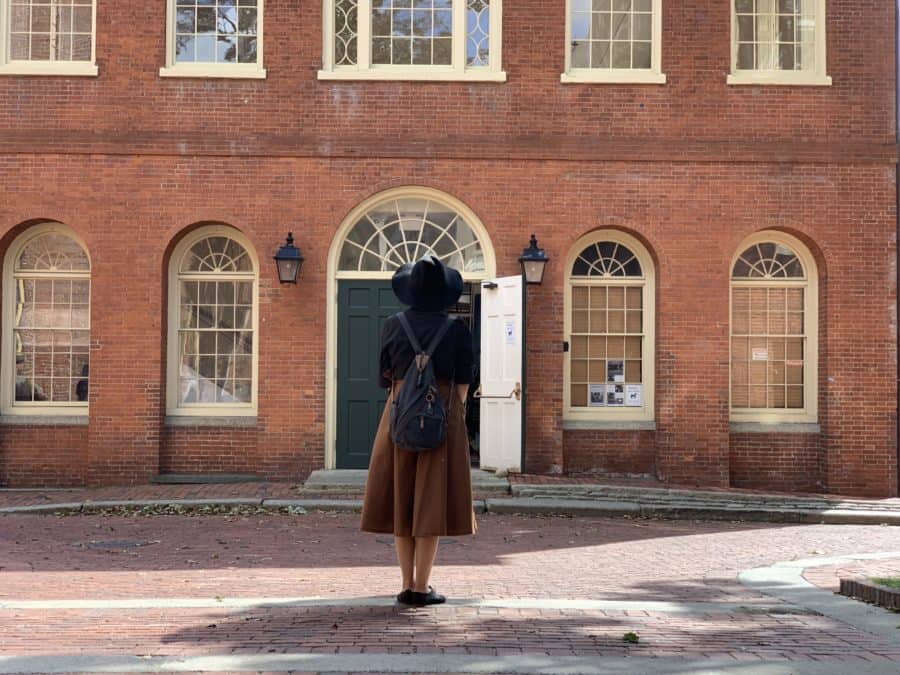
(816, 78)
(57, 68)
(173, 358)
(810, 412)
(246, 71)
(8, 404)
(616, 75)
(457, 71)
(647, 412)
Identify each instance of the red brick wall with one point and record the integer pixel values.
(610, 452)
(785, 462)
(50, 456)
(130, 160)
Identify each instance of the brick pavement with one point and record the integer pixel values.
(542, 560)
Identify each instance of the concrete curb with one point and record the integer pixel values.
(517, 505)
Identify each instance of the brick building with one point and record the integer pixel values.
(714, 182)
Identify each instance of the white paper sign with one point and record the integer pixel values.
(510, 333)
(634, 395)
(615, 394)
(596, 395)
(760, 354)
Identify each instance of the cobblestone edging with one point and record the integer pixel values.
(869, 591)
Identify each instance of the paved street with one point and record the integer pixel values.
(280, 592)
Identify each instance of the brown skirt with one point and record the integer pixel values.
(420, 494)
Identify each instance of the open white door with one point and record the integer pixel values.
(501, 374)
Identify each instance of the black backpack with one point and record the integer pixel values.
(418, 416)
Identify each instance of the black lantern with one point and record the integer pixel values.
(533, 260)
(288, 260)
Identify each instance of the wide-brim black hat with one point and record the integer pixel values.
(427, 284)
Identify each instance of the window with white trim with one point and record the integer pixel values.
(46, 323)
(47, 37)
(214, 38)
(614, 41)
(212, 325)
(609, 330)
(412, 40)
(778, 42)
(773, 331)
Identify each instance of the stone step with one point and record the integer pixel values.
(353, 481)
(204, 478)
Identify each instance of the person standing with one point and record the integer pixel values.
(422, 496)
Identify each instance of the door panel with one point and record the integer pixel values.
(363, 307)
(501, 374)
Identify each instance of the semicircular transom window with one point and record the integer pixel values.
(607, 259)
(768, 260)
(217, 254)
(398, 231)
(52, 252)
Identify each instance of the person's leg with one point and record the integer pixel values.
(406, 551)
(426, 549)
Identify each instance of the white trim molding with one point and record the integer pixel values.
(602, 75)
(814, 77)
(334, 254)
(808, 414)
(53, 68)
(362, 68)
(9, 407)
(174, 408)
(579, 417)
(208, 69)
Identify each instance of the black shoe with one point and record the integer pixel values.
(429, 598)
(405, 598)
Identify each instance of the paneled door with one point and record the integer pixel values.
(363, 307)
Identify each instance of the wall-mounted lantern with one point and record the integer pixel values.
(533, 261)
(289, 261)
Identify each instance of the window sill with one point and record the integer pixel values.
(50, 69)
(212, 70)
(612, 77)
(775, 428)
(245, 421)
(42, 420)
(426, 75)
(781, 79)
(608, 425)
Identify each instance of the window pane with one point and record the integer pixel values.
(774, 35)
(51, 30)
(345, 32)
(615, 34)
(216, 31)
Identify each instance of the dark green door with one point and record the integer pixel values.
(363, 307)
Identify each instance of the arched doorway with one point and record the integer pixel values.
(384, 232)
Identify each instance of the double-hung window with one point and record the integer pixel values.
(778, 42)
(47, 37)
(412, 40)
(214, 38)
(614, 41)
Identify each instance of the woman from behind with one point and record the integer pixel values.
(421, 496)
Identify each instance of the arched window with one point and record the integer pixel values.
(773, 331)
(212, 335)
(609, 329)
(400, 230)
(47, 323)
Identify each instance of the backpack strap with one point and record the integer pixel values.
(423, 357)
(417, 348)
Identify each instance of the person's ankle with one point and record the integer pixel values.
(421, 589)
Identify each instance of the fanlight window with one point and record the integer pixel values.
(607, 259)
(399, 231)
(217, 254)
(768, 260)
(52, 252)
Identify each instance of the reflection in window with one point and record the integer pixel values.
(768, 329)
(398, 231)
(612, 34)
(775, 34)
(51, 329)
(50, 30)
(607, 328)
(216, 31)
(216, 334)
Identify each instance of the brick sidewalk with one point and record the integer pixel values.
(279, 584)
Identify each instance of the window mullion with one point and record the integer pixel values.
(364, 34)
(459, 35)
